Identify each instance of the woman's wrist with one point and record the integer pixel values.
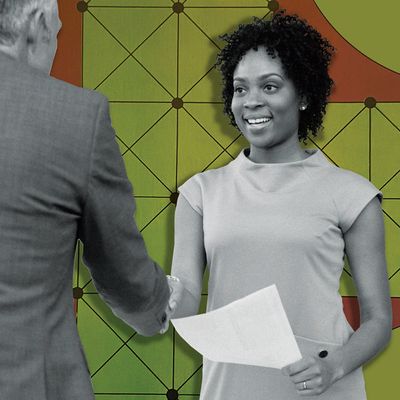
(336, 361)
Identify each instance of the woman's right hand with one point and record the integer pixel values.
(176, 291)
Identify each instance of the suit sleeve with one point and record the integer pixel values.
(131, 283)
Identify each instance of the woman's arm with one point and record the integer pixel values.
(365, 249)
(189, 258)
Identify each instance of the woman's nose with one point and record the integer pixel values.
(254, 99)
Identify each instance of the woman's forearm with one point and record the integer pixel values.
(365, 343)
(189, 305)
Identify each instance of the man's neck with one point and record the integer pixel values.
(15, 51)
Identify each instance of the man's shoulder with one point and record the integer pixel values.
(26, 79)
(77, 93)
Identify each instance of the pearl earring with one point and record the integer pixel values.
(303, 107)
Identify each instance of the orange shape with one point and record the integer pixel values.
(352, 311)
(68, 61)
(356, 76)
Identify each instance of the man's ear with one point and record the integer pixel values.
(37, 30)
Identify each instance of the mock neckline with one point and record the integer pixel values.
(315, 157)
(279, 177)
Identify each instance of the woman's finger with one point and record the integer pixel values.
(309, 387)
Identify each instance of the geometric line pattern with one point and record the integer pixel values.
(164, 75)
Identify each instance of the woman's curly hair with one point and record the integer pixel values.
(305, 56)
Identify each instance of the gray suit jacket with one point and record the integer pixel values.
(62, 178)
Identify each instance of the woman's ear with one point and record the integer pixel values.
(303, 104)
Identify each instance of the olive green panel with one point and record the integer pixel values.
(193, 45)
(129, 26)
(157, 149)
(187, 366)
(353, 139)
(392, 187)
(339, 116)
(382, 374)
(391, 112)
(159, 236)
(145, 181)
(129, 127)
(385, 148)
(125, 372)
(161, 63)
(148, 209)
(101, 332)
(96, 67)
(197, 148)
(207, 89)
(141, 4)
(212, 119)
(347, 287)
(131, 81)
(157, 354)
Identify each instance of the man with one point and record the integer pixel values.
(62, 178)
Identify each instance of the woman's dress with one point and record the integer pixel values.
(282, 224)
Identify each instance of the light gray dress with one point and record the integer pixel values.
(279, 223)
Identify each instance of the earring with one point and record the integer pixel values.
(303, 107)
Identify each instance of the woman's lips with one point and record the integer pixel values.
(258, 122)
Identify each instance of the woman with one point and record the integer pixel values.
(281, 214)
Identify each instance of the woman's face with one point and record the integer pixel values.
(265, 103)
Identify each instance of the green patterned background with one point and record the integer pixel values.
(154, 60)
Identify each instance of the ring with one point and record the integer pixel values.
(304, 385)
(173, 278)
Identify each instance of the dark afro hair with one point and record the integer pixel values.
(305, 56)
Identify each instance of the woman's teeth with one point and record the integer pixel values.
(254, 121)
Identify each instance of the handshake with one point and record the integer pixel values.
(176, 291)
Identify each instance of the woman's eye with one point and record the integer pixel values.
(238, 90)
(270, 88)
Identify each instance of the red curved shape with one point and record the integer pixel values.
(68, 61)
(356, 76)
(352, 311)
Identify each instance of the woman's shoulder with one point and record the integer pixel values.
(210, 177)
(335, 175)
(203, 184)
(346, 188)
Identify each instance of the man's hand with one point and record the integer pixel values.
(176, 290)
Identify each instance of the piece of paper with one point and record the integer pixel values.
(253, 330)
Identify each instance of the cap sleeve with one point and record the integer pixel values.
(352, 194)
(191, 190)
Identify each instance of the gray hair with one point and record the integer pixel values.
(13, 16)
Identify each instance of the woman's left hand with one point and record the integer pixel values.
(312, 375)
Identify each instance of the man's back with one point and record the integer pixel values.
(62, 178)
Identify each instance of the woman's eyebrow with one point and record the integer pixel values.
(260, 78)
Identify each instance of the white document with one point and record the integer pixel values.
(253, 330)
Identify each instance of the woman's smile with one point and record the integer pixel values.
(257, 123)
